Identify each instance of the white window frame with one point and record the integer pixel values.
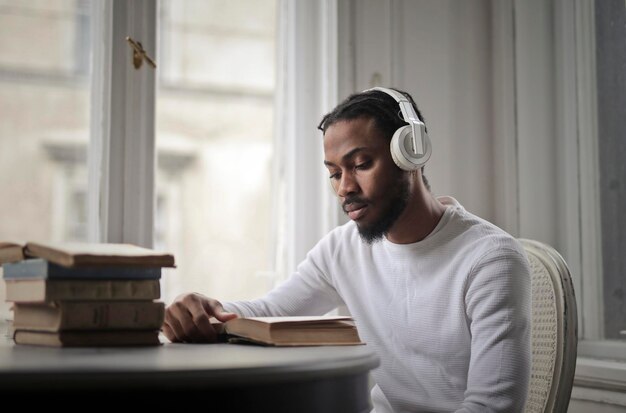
(121, 155)
(593, 369)
(308, 83)
(588, 167)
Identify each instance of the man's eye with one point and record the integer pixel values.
(334, 176)
(363, 165)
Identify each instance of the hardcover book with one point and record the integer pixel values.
(38, 268)
(39, 291)
(78, 254)
(94, 254)
(291, 331)
(11, 251)
(88, 338)
(89, 315)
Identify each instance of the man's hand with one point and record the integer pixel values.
(187, 319)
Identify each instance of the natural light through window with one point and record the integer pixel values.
(44, 132)
(215, 109)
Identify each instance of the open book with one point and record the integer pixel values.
(291, 331)
(83, 254)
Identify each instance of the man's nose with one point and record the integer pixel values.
(347, 185)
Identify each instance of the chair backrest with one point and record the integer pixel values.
(554, 330)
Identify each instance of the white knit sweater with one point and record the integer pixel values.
(448, 316)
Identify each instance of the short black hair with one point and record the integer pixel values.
(373, 104)
(376, 105)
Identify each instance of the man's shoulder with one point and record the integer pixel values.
(483, 236)
(338, 247)
(344, 233)
(341, 236)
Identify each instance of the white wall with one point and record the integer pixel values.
(450, 80)
(439, 51)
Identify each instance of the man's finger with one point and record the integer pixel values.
(182, 323)
(169, 333)
(203, 324)
(216, 308)
(172, 329)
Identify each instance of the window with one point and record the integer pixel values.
(597, 120)
(610, 32)
(44, 133)
(560, 130)
(237, 196)
(592, 144)
(591, 63)
(215, 112)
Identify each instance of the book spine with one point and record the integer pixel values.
(87, 338)
(89, 315)
(9, 254)
(42, 269)
(25, 290)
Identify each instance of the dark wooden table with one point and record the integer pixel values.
(224, 377)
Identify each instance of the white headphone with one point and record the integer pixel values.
(410, 145)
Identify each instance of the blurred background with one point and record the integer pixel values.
(525, 102)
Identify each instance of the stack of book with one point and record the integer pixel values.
(86, 294)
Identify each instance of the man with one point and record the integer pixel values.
(442, 296)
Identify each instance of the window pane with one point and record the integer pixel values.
(215, 111)
(611, 74)
(44, 105)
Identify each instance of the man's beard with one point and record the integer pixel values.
(398, 202)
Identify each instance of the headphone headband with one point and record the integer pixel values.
(399, 97)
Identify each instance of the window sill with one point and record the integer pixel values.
(601, 364)
(601, 374)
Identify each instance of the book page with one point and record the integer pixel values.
(298, 319)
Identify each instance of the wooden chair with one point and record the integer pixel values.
(554, 330)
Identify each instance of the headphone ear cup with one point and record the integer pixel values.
(401, 148)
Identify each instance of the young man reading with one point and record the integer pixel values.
(442, 296)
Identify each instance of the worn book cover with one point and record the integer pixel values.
(88, 338)
(77, 254)
(11, 251)
(39, 291)
(291, 331)
(88, 315)
(37, 268)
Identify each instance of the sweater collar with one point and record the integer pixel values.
(451, 205)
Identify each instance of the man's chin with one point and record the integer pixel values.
(370, 234)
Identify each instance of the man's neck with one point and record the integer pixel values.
(419, 219)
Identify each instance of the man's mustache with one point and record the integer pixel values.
(352, 200)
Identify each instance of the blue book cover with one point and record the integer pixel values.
(41, 269)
